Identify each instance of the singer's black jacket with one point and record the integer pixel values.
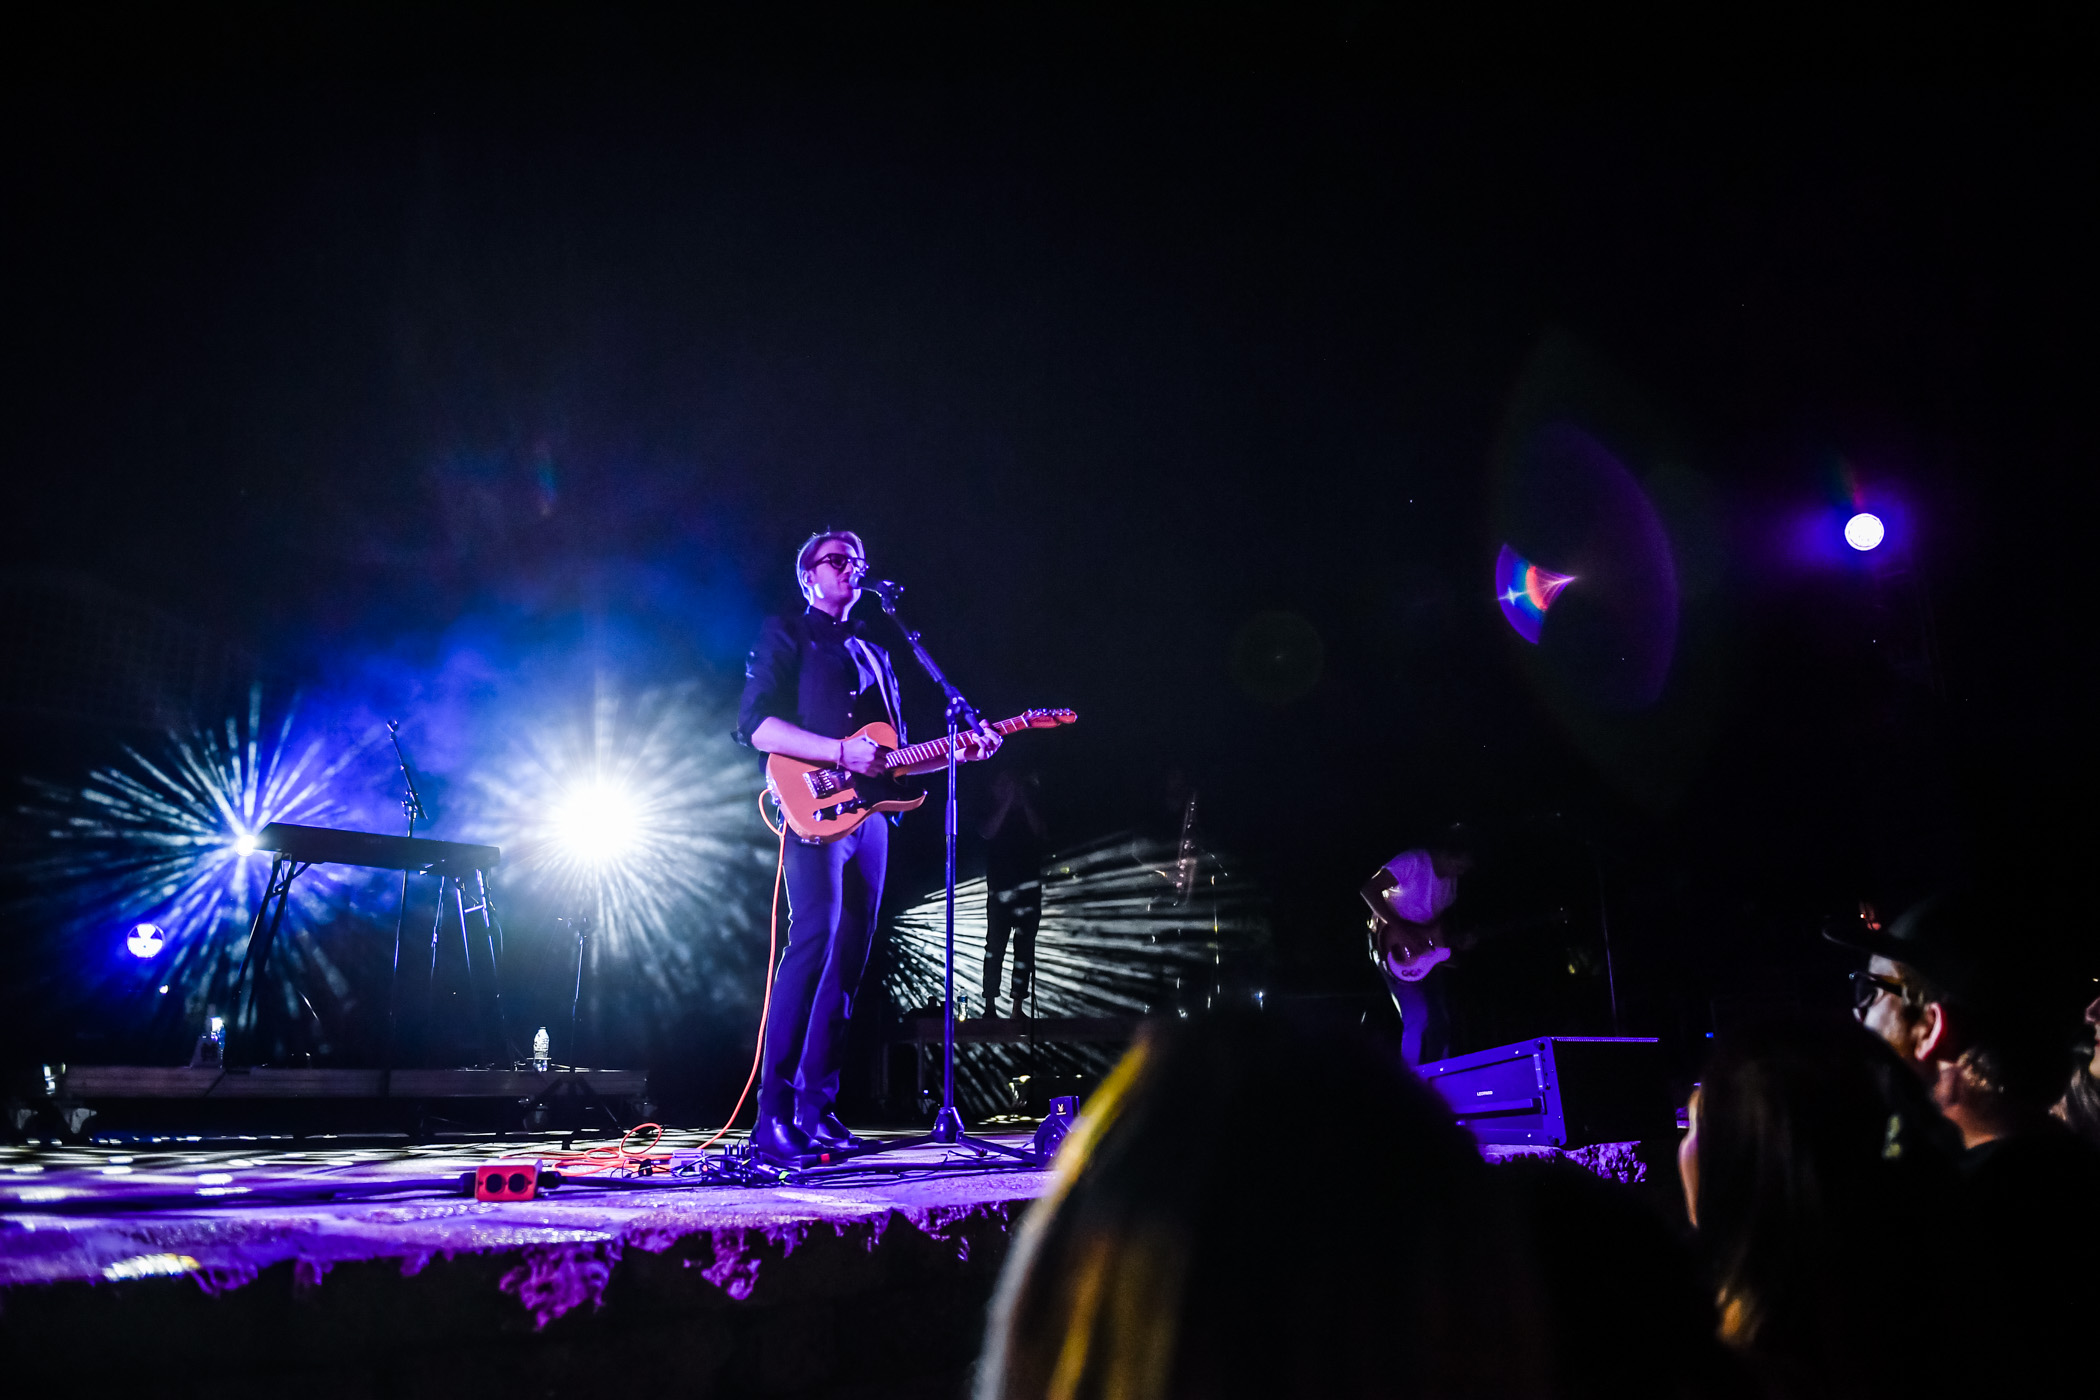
(803, 672)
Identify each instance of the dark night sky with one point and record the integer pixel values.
(1108, 344)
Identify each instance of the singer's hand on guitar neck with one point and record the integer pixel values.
(971, 745)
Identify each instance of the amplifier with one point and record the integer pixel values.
(1558, 1090)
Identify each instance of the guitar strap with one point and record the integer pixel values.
(873, 663)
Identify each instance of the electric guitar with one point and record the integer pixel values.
(1411, 951)
(823, 803)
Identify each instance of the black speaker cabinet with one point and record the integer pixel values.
(1559, 1090)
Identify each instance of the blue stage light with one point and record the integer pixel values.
(158, 835)
(145, 940)
(1864, 531)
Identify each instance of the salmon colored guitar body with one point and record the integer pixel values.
(822, 803)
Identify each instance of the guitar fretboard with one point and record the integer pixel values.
(938, 748)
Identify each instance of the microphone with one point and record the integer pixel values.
(889, 590)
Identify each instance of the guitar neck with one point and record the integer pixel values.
(938, 748)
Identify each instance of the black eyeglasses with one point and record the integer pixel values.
(846, 565)
(1868, 985)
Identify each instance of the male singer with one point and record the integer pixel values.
(811, 681)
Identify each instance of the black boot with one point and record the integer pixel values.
(778, 1141)
(825, 1133)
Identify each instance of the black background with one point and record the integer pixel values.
(1109, 337)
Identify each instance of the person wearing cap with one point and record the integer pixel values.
(1960, 988)
(1963, 989)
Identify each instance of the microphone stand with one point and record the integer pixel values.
(947, 1124)
(582, 926)
(412, 808)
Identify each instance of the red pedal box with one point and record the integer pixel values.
(507, 1181)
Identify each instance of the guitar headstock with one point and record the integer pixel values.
(1049, 719)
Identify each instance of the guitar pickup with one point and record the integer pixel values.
(823, 782)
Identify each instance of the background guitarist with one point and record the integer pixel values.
(1408, 896)
(811, 681)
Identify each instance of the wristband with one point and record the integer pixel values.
(842, 753)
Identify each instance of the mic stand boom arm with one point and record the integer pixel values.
(961, 713)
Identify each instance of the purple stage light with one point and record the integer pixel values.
(1525, 591)
(145, 940)
(1864, 531)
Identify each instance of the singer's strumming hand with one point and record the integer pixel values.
(861, 755)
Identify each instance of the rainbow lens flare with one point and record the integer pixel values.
(1525, 591)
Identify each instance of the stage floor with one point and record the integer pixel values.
(163, 1260)
(102, 1214)
(869, 1284)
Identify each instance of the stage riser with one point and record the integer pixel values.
(417, 1119)
(81, 1101)
(86, 1083)
(843, 1313)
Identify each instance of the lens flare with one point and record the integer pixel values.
(1525, 591)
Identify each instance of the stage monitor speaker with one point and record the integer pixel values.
(1559, 1090)
(1055, 1128)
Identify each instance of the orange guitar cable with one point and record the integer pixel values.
(619, 1157)
(772, 949)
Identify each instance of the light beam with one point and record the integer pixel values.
(1131, 926)
(640, 813)
(163, 834)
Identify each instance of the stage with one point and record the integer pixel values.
(194, 1268)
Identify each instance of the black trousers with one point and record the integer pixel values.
(834, 891)
(1425, 1023)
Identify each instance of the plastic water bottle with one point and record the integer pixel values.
(210, 1051)
(540, 1050)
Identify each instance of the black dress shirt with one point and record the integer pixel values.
(803, 671)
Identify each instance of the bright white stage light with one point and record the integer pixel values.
(638, 811)
(596, 823)
(244, 844)
(145, 941)
(1864, 531)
